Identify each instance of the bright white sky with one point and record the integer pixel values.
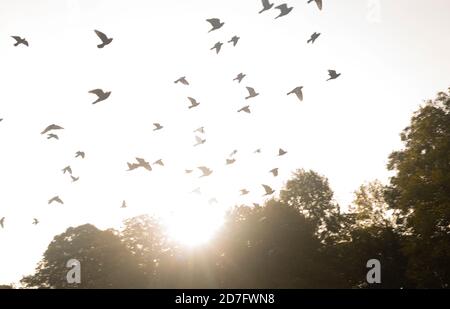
(344, 129)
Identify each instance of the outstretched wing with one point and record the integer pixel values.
(193, 101)
(332, 72)
(251, 91)
(101, 35)
(319, 4)
(98, 92)
(267, 189)
(214, 21)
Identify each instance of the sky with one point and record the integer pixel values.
(393, 55)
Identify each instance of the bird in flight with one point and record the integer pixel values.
(217, 47)
(157, 126)
(298, 92)
(182, 80)
(80, 154)
(246, 109)
(251, 93)
(200, 130)
(19, 40)
(2, 222)
(52, 127)
(124, 204)
(194, 102)
(144, 164)
(215, 23)
(199, 141)
(206, 171)
(281, 152)
(35, 221)
(284, 10)
(318, 2)
(230, 161)
(239, 77)
(132, 166)
(67, 169)
(244, 191)
(188, 171)
(105, 40)
(234, 40)
(266, 6)
(74, 178)
(101, 95)
(268, 190)
(333, 74)
(257, 150)
(233, 153)
(159, 162)
(274, 172)
(313, 38)
(51, 135)
(55, 199)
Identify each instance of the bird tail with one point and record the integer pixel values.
(101, 45)
(309, 41)
(16, 44)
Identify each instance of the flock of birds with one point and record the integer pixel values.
(101, 95)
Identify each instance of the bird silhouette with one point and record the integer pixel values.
(233, 153)
(333, 74)
(244, 191)
(101, 95)
(274, 172)
(105, 40)
(19, 40)
(251, 93)
(35, 221)
(51, 135)
(298, 92)
(215, 23)
(124, 204)
(281, 152)
(199, 141)
(234, 40)
(257, 150)
(246, 109)
(80, 154)
(313, 38)
(266, 6)
(67, 169)
(230, 161)
(182, 80)
(239, 77)
(188, 171)
(2, 222)
(206, 171)
(144, 164)
(200, 130)
(51, 128)
(157, 126)
(217, 47)
(74, 179)
(194, 103)
(132, 166)
(318, 2)
(268, 190)
(284, 10)
(55, 199)
(159, 162)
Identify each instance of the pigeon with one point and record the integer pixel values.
(274, 171)
(244, 191)
(239, 77)
(215, 23)
(52, 127)
(266, 6)
(35, 221)
(313, 38)
(188, 171)
(157, 126)
(333, 74)
(51, 135)
(213, 200)
(159, 162)
(182, 80)
(74, 178)
(2, 222)
(196, 191)
(233, 153)
(217, 47)
(67, 169)
(104, 38)
(245, 109)
(55, 199)
(100, 94)
(194, 102)
(284, 10)
(200, 130)
(281, 152)
(206, 171)
(144, 164)
(19, 40)
(230, 161)
(234, 40)
(251, 93)
(268, 190)
(124, 204)
(80, 154)
(257, 150)
(199, 141)
(132, 166)
(298, 92)
(318, 2)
